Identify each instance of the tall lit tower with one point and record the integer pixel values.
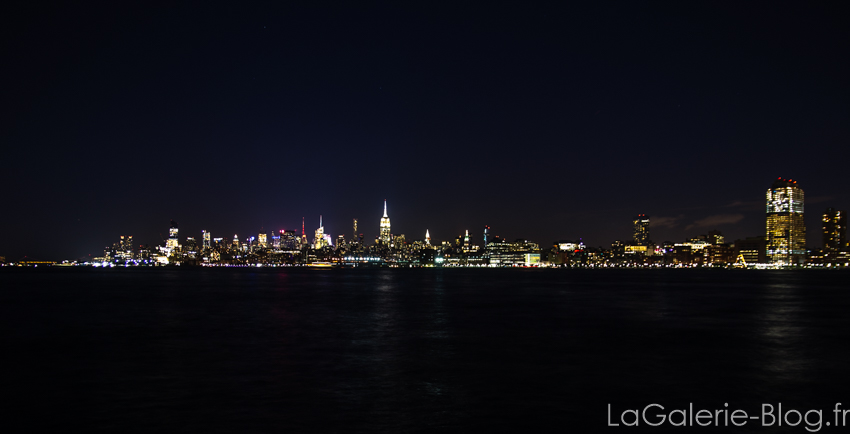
(486, 235)
(319, 240)
(466, 240)
(206, 244)
(427, 238)
(303, 234)
(385, 226)
(834, 230)
(172, 243)
(786, 228)
(641, 223)
(354, 235)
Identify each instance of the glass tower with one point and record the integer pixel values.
(172, 243)
(786, 228)
(641, 224)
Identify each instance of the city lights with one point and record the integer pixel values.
(782, 246)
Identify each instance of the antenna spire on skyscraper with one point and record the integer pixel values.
(385, 226)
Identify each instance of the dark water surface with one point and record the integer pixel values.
(427, 350)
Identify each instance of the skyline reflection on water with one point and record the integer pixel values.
(378, 350)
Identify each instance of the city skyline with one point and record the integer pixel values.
(641, 228)
(783, 243)
(558, 122)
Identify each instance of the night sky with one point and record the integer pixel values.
(544, 123)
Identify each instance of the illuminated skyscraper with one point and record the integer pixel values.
(235, 242)
(466, 240)
(786, 228)
(206, 240)
(641, 224)
(191, 246)
(320, 241)
(303, 234)
(834, 230)
(427, 237)
(288, 240)
(385, 227)
(172, 244)
(354, 234)
(486, 235)
(263, 240)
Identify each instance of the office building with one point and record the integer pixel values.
(172, 244)
(319, 240)
(786, 227)
(834, 230)
(641, 229)
(752, 249)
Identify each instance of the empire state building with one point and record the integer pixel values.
(385, 226)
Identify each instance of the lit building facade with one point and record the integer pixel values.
(834, 230)
(319, 240)
(641, 227)
(172, 244)
(385, 236)
(786, 227)
(753, 250)
(288, 240)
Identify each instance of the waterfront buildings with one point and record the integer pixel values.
(786, 227)
(752, 250)
(782, 246)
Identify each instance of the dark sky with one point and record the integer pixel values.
(543, 122)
